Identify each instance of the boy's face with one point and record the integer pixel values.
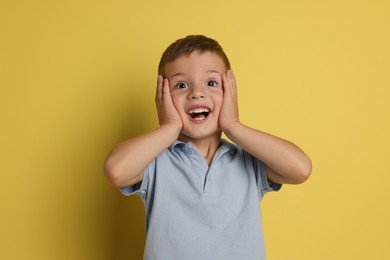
(197, 93)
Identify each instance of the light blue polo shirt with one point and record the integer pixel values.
(197, 212)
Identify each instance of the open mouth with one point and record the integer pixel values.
(199, 114)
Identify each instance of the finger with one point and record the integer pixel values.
(225, 81)
(229, 85)
(166, 94)
(159, 87)
(232, 80)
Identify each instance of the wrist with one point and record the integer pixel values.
(173, 128)
(230, 129)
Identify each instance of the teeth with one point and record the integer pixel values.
(199, 110)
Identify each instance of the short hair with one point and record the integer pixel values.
(189, 44)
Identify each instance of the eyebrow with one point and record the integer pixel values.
(182, 73)
(213, 71)
(177, 74)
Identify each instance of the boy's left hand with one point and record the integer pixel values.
(228, 116)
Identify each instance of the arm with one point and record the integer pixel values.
(126, 162)
(286, 163)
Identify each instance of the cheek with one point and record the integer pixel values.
(175, 97)
(218, 103)
(178, 103)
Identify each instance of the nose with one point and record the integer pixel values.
(197, 92)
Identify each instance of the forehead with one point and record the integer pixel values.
(195, 63)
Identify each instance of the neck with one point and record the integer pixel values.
(206, 146)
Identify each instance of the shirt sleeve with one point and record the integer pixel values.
(260, 170)
(141, 188)
(266, 186)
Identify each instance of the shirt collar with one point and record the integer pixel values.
(225, 146)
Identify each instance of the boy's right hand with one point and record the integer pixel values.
(167, 113)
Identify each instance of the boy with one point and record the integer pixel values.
(202, 193)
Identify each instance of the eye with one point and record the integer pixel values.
(181, 85)
(212, 83)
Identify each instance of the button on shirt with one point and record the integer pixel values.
(197, 212)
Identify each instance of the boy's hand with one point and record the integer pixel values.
(167, 113)
(228, 116)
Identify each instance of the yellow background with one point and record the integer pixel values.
(77, 77)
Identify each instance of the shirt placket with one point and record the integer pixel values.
(205, 173)
(198, 165)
